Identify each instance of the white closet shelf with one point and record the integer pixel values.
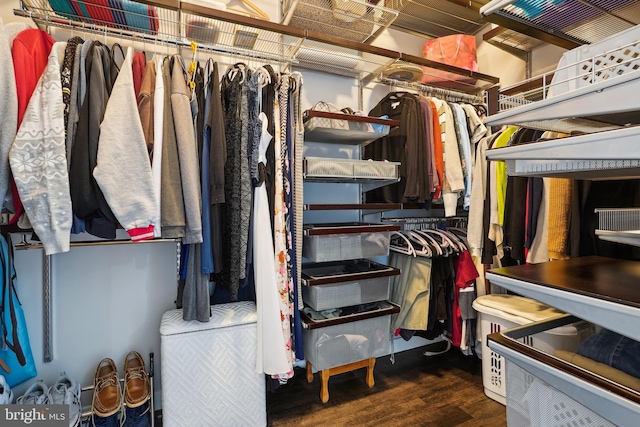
(605, 105)
(600, 290)
(602, 155)
(629, 237)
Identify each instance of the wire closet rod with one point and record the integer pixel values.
(135, 36)
(23, 245)
(450, 95)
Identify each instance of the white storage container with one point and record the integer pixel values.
(208, 376)
(338, 341)
(498, 312)
(533, 402)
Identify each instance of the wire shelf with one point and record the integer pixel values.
(178, 23)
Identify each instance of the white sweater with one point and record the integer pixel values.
(123, 170)
(38, 159)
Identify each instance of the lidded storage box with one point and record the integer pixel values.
(349, 338)
(208, 369)
(498, 312)
(345, 283)
(335, 242)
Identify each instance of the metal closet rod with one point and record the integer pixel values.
(141, 37)
(23, 245)
(436, 91)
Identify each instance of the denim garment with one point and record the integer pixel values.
(614, 350)
(138, 417)
(110, 421)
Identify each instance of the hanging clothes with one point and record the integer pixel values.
(156, 153)
(279, 230)
(187, 154)
(87, 198)
(8, 112)
(122, 169)
(404, 144)
(30, 53)
(272, 355)
(38, 159)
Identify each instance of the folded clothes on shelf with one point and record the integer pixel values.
(123, 14)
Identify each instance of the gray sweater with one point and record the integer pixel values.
(187, 153)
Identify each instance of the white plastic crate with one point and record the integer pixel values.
(532, 402)
(348, 341)
(499, 312)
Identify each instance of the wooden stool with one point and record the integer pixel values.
(325, 374)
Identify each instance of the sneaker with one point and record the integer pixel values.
(37, 394)
(6, 395)
(67, 392)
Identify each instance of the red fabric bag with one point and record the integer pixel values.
(458, 50)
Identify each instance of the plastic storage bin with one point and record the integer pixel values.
(341, 340)
(331, 168)
(336, 242)
(345, 283)
(208, 375)
(498, 312)
(533, 402)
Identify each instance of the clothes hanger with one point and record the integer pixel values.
(423, 249)
(435, 245)
(400, 243)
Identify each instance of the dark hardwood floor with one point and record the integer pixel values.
(438, 391)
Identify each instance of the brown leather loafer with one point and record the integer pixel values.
(137, 387)
(107, 396)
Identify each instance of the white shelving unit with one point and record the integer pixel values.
(599, 290)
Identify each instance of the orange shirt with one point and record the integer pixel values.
(437, 149)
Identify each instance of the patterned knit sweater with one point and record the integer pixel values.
(38, 159)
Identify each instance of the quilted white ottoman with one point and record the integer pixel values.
(208, 376)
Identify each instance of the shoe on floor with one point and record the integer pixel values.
(6, 395)
(67, 392)
(37, 394)
(136, 381)
(107, 396)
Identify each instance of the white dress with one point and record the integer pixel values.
(272, 355)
